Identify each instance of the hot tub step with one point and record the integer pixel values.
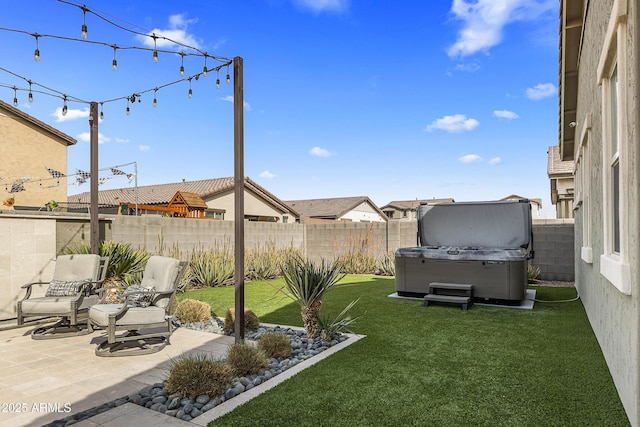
(455, 293)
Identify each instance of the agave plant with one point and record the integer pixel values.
(306, 283)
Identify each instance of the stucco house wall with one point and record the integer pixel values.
(28, 147)
(364, 212)
(607, 281)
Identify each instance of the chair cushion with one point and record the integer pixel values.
(77, 267)
(99, 315)
(63, 288)
(55, 305)
(161, 272)
(139, 296)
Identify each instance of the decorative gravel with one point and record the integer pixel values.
(155, 396)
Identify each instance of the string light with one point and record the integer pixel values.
(128, 111)
(228, 76)
(15, 97)
(30, 93)
(204, 69)
(83, 32)
(114, 63)
(36, 53)
(190, 91)
(155, 100)
(155, 48)
(182, 65)
(218, 80)
(102, 111)
(64, 107)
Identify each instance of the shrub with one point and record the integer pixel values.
(532, 273)
(251, 321)
(210, 268)
(306, 283)
(191, 311)
(387, 265)
(357, 263)
(341, 323)
(246, 359)
(126, 264)
(275, 344)
(196, 375)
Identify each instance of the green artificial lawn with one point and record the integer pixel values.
(436, 366)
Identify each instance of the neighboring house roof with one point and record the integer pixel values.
(555, 166)
(161, 194)
(61, 136)
(516, 197)
(333, 208)
(412, 204)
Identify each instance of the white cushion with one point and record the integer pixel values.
(99, 315)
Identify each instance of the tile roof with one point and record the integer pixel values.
(161, 194)
(10, 109)
(413, 204)
(556, 166)
(329, 208)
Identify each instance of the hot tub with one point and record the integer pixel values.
(486, 244)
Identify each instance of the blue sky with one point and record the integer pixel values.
(395, 100)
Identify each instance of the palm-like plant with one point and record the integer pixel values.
(306, 283)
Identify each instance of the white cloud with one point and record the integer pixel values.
(470, 158)
(505, 114)
(542, 90)
(86, 137)
(144, 147)
(318, 6)
(470, 67)
(266, 174)
(122, 140)
(72, 114)
(320, 152)
(455, 123)
(229, 98)
(484, 20)
(495, 161)
(176, 31)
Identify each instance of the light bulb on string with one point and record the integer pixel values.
(64, 107)
(218, 79)
(228, 76)
(155, 100)
(36, 53)
(128, 110)
(15, 97)
(102, 111)
(30, 93)
(182, 65)
(204, 69)
(190, 94)
(155, 48)
(114, 63)
(83, 31)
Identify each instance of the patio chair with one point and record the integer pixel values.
(72, 290)
(144, 314)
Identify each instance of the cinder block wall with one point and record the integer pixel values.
(553, 243)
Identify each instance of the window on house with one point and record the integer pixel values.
(582, 194)
(612, 77)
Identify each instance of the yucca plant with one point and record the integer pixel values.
(209, 268)
(341, 323)
(387, 264)
(306, 283)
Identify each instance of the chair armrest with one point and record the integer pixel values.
(28, 287)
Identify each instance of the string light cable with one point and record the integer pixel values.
(187, 51)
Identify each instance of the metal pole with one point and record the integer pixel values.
(135, 176)
(238, 194)
(93, 212)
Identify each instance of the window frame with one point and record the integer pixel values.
(614, 262)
